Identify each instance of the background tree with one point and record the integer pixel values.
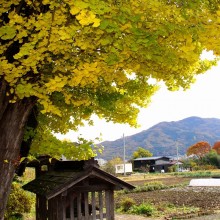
(200, 149)
(110, 165)
(141, 152)
(212, 158)
(189, 163)
(216, 147)
(73, 59)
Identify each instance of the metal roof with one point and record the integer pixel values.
(151, 158)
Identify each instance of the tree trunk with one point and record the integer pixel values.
(13, 118)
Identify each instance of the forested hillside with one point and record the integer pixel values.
(163, 138)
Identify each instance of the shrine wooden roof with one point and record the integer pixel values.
(77, 176)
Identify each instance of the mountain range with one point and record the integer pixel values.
(166, 138)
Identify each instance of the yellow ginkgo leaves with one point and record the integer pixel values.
(86, 74)
(75, 10)
(85, 17)
(56, 84)
(73, 53)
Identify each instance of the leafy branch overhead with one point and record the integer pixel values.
(84, 57)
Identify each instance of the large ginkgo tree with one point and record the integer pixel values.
(75, 58)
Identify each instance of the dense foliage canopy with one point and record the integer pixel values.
(84, 57)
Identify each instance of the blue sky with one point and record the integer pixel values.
(202, 100)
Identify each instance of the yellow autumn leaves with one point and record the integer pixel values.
(85, 17)
(69, 54)
(56, 84)
(83, 13)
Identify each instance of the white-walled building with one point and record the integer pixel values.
(119, 168)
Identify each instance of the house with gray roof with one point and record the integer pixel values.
(152, 164)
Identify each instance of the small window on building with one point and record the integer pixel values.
(120, 167)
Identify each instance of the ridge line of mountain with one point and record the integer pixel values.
(163, 138)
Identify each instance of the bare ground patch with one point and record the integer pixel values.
(207, 199)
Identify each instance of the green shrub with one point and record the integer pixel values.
(196, 174)
(151, 186)
(16, 217)
(204, 167)
(172, 169)
(155, 184)
(126, 204)
(19, 202)
(142, 209)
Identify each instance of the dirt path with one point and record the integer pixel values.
(134, 217)
(208, 217)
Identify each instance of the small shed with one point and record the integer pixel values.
(123, 168)
(73, 190)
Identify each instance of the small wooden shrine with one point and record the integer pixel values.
(73, 190)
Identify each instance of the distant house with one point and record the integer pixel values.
(153, 164)
(121, 169)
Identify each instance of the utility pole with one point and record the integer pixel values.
(177, 152)
(124, 153)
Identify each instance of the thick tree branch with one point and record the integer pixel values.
(4, 99)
